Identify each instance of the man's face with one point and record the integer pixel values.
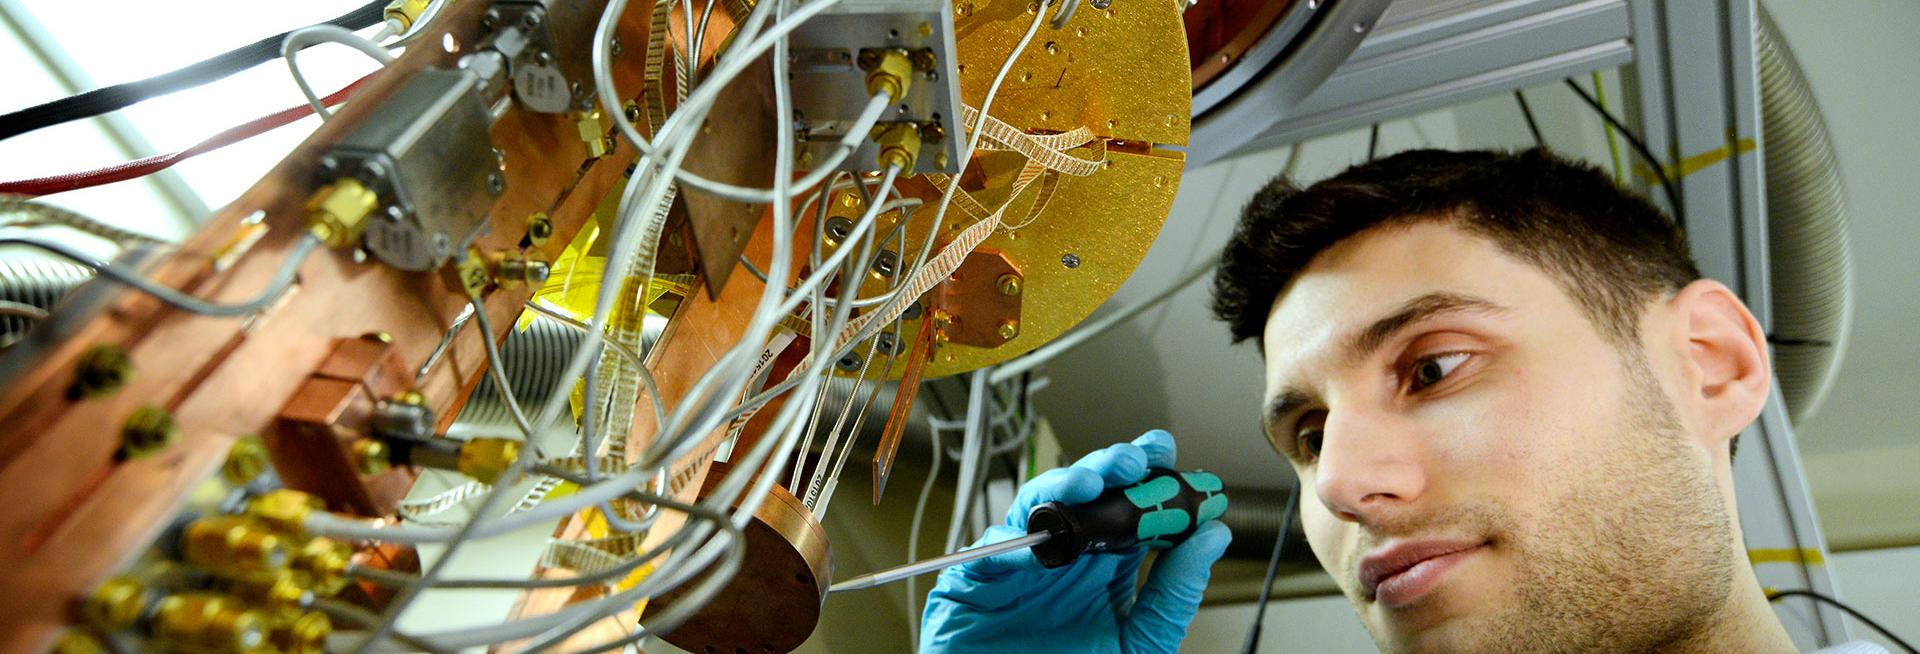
(1485, 471)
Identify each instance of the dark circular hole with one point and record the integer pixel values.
(710, 650)
(803, 579)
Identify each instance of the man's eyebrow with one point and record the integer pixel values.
(1364, 343)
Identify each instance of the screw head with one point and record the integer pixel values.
(1008, 284)
(147, 430)
(1070, 260)
(101, 370)
(848, 363)
(1009, 329)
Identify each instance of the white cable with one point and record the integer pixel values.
(970, 448)
(913, 537)
(315, 34)
(1012, 369)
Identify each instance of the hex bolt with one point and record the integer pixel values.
(101, 370)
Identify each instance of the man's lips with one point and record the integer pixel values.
(1397, 575)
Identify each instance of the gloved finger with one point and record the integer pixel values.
(1117, 465)
(1171, 596)
(1159, 447)
(1070, 485)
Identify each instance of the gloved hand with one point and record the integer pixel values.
(1010, 603)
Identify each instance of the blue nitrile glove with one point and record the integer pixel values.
(1010, 603)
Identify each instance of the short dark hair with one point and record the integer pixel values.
(1608, 248)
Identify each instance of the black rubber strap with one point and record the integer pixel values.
(120, 96)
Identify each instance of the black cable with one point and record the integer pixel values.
(1669, 185)
(1273, 568)
(120, 96)
(1373, 141)
(1532, 125)
(1775, 596)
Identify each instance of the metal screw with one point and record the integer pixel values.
(868, 59)
(491, 19)
(373, 170)
(147, 431)
(102, 369)
(1100, 4)
(1070, 260)
(848, 363)
(886, 263)
(616, 46)
(1009, 329)
(887, 343)
(1009, 284)
(530, 19)
(838, 229)
(913, 312)
(496, 184)
(539, 228)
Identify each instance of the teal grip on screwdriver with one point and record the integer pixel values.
(1159, 512)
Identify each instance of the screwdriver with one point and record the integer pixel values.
(1159, 512)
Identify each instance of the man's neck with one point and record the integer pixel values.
(1746, 623)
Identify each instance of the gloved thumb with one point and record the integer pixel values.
(1171, 596)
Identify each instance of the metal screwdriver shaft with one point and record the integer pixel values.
(922, 567)
(1159, 512)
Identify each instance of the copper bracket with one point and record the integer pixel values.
(312, 438)
(978, 313)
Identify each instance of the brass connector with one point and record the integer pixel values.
(245, 460)
(147, 430)
(234, 546)
(593, 132)
(284, 510)
(101, 370)
(486, 459)
(278, 596)
(1009, 329)
(470, 274)
(889, 71)
(209, 623)
(76, 641)
(406, 11)
(118, 603)
(371, 456)
(323, 563)
(337, 213)
(510, 269)
(899, 145)
(306, 634)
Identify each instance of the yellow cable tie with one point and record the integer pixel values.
(1695, 163)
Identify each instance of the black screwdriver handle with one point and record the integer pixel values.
(1159, 512)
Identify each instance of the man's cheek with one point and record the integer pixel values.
(1329, 537)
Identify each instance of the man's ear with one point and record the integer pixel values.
(1729, 372)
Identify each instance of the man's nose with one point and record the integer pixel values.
(1370, 465)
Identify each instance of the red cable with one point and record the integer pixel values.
(140, 168)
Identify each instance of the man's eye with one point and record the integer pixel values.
(1307, 443)
(1430, 370)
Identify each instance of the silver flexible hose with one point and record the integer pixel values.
(1808, 257)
